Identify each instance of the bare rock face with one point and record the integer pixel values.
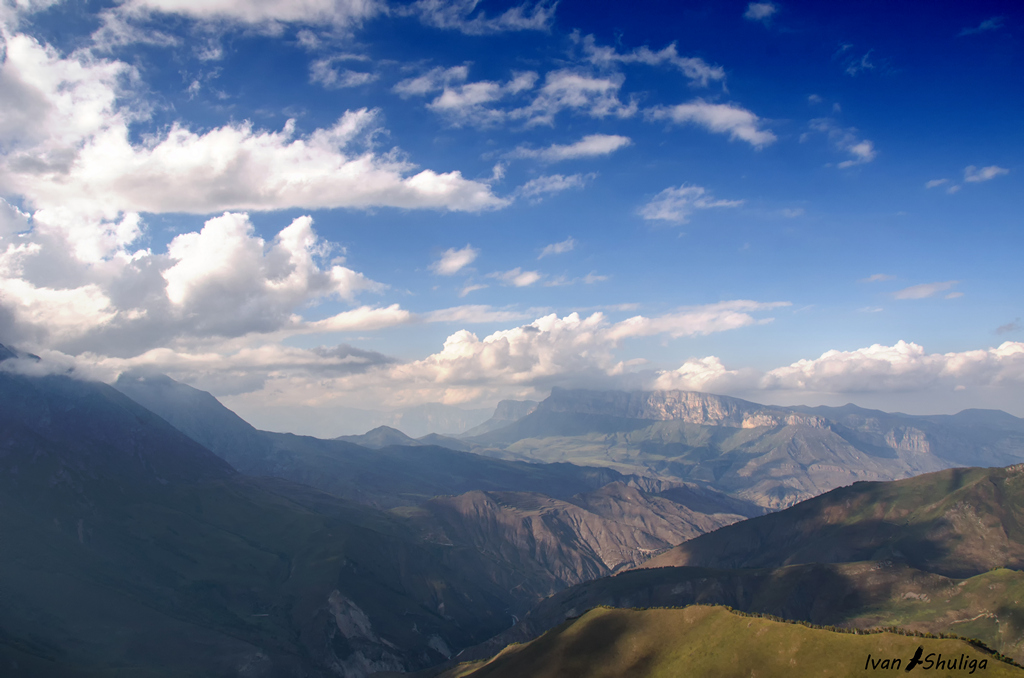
(689, 406)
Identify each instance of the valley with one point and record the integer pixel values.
(255, 553)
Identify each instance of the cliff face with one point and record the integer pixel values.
(689, 406)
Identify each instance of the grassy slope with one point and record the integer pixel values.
(957, 522)
(706, 641)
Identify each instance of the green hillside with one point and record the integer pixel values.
(714, 642)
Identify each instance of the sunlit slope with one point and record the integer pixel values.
(712, 642)
(957, 522)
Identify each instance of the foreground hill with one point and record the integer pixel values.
(712, 641)
(772, 456)
(929, 553)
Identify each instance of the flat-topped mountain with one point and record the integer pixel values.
(772, 456)
(689, 406)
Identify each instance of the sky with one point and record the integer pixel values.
(309, 206)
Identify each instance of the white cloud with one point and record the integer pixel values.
(471, 288)
(433, 80)
(694, 68)
(462, 15)
(589, 146)
(517, 277)
(846, 139)
(738, 123)
(814, 99)
(936, 182)
(974, 175)
(79, 287)
(793, 212)
(924, 290)
(474, 314)
(566, 245)
(760, 11)
(901, 367)
(877, 277)
(469, 103)
(325, 72)
(452, 260)
(855, 66)
(66, 144)
(691, 321)
(12, 220)
(569, 89)
(362, 319)
(676, 204)
(992, 24)
(338, 13)
(699, 374)
(553, 183)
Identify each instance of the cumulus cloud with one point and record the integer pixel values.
(697, 70)
(760, 11)
(553, 183)
(901, 367)
(675, 205)
(452, 260)
(974, 175)
(935, 182)
(589, 146)
(862, 151)
(462, 15)
(700, 374)
(66, 144)
(737, 122)
(924, 290)
(98, 294)
(566, 245)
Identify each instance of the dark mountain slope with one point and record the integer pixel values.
(129, 547)
(382, 436)
(957, 522)
(535, 545)
(387, 477)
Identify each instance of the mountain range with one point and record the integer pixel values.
(150, 531)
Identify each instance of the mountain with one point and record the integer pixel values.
(129, 547)
(715, 641)
(394, 475)
(772, 456)
(505, 413)
(534, 545)
(957, 522)
(938, 553)
(382, 436)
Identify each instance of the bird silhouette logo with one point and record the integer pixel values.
(916, 659)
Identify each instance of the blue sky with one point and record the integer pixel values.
(789, 202)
